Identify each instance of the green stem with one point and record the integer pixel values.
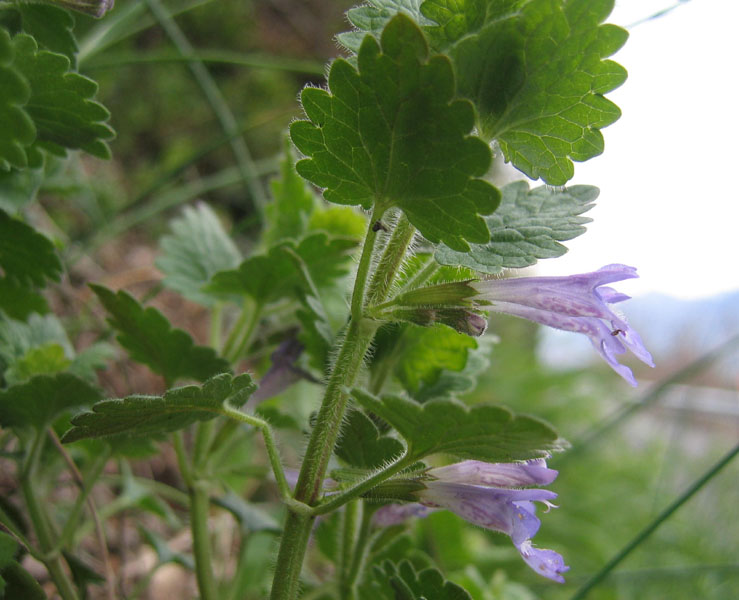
(359, 555)
(358, 337)
(215, 99)
(391, 260)
(40, 520)
(365, 262)
(199, 507)
(353, 512)
(93, 473)
(366, 485)
(269, 443)
(242, 333)
(649, 529)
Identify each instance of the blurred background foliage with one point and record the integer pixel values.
(172, 149)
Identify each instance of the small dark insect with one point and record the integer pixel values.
(615, 332)
(379, 225)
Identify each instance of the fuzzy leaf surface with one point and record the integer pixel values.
(481, 432)
(374, 15)
(150, 339)
(139, 415)
(26, 256)
(39, 401)
(402, 581)
(361, 444)
(197, 249)
(390, 133)
(528, 226)
(269, 277)
(61, 104)
(17, 130)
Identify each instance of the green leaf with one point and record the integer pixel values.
(528, 225)
(18, 187)
(482, 432)
(18, 301)
(402, 582)
(39, 401)
(150, 339)
(391, 134)
(361, 444)
(451, 383)
(51, 27)
(534, 70)
(17, 338)
(292, 203)
(538, 77)
(339, 221)
(19, 583)
(17, 130)
(373, 16)
(164, 553)
(198, 248)
(272, 276)
(25, 255)
(61, 104)
(427, 351)
(42, 360)
(251, 518)
(139, 415)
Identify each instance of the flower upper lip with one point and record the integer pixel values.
(578, 303)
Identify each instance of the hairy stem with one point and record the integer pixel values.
(356, 341)
(199, 505)
(391, 260)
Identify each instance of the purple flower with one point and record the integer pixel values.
(578, 303)
(486, 494)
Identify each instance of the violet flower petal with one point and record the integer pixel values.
(395, 514)
(545, 562)
(475, 472)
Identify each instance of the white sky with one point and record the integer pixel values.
(668, 205)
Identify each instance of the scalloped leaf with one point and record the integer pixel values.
(538, 77)
(197, 249)
(17, 130)
(139, 415)
(269, 277)
(482, 432)
(534, 69)
(26, 256)
(39, 401)
(426, 352)
(402, 581)
(151, 340)
(50, 26)
(527, 227)
(361, 444)
(61, 104)
(390, 133)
